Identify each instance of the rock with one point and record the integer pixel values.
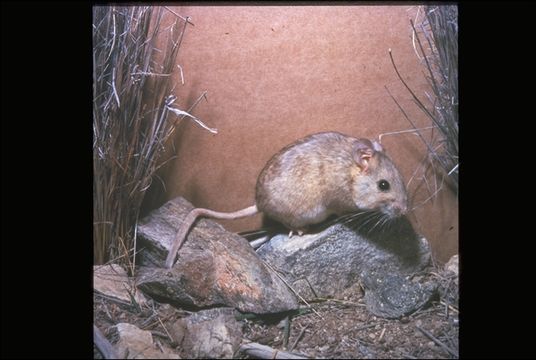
(449, 285)
(453, 265)
(213, 333)
(112, 280)
(135, 343)
(214, 267)
(392, 296)
(331, 261)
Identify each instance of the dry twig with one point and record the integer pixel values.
(106, 349)
(437, 341)
(299, 337)
(265, 352)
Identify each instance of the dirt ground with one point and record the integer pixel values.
(338, 328)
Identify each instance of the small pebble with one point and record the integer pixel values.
(332, 339)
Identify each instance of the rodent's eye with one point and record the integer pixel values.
(384, 185)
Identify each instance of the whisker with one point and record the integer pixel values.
(365, 225)
(367, 220)
(385, 223)
(376, 224)
(351, 217)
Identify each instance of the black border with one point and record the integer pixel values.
(47, 252)
(496, 270)
(47, 183)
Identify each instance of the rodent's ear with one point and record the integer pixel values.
(364, 149)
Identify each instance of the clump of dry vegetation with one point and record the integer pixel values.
(132, 98)
(435, 40)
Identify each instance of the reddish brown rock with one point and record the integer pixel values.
(214, 266)
(112, 280)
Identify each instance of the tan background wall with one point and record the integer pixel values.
(277, 73)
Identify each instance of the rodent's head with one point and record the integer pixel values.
(377, 183)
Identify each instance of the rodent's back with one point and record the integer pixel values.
(299, 183)
(317, 176)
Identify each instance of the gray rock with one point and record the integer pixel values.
(135, 343)
(327, 263)
(392, 296)
(214, 266)
(213, 333)
(453, 265)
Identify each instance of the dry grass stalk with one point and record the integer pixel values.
(439, 55)
(131, 124)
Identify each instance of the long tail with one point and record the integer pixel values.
(190, 219)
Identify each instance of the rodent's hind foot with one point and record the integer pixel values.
(299, 231)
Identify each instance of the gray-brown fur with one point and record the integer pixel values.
(318, 176)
